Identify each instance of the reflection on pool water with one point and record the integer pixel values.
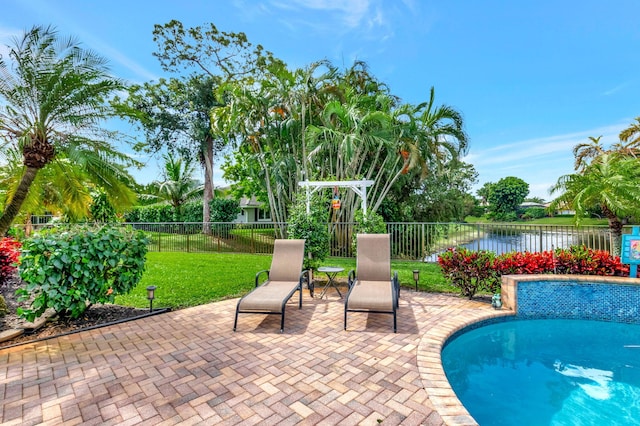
(547, 372)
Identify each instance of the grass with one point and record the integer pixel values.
(191, 279)
(556, 220)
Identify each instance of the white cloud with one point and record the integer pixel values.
(6, 38)
(540, 147)
(70, 28)
(615, 89)
(539, 162)
(352, 12)
(336, 16)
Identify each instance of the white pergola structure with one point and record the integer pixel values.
(357, 186)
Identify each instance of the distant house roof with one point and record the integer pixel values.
(250, 202)
(528, 204)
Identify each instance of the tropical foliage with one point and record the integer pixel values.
(605, 180)
(71, 270)
(472, 271)
(320, 123)
(178, 185)
(53, 100)
(9, 257)
(505, 196)
(312, 227)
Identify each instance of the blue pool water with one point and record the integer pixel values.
(547, 372)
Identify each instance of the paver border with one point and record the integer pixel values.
(77, 330)
(429, 360)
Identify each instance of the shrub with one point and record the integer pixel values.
(224, 210)
(371, 223)
(585, 261)
(9, 257)
(312, 228)
(472, 271)
(524, 263)
(71, 270)
(101, 210)
(534, 213)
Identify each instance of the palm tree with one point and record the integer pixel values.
(584, 153)
(54, 97)
(178, 186)
(611, 183)
(64, 187)
(631, 134)
(630, 140)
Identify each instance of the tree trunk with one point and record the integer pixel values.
(13, 206)
(208, 185)
(615, 226)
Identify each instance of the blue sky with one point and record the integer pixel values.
(532, 78)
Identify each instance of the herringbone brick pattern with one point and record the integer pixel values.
(188, 367)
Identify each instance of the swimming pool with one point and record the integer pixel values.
(546, 371)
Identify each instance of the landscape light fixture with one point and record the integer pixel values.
(416, 277)
(151, 294)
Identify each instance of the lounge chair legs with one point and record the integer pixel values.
(345, 320)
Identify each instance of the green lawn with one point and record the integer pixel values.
(557, 220)
(191, 279)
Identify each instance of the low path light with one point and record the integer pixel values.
(151, 294)
(416, 277)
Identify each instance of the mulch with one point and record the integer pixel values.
(94, 316)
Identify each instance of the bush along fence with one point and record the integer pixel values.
(474, 271)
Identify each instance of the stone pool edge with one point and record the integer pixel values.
(434, 379)
(429, 355)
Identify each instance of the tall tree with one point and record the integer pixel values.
(175, 116)
(209, 56)
(610, 183)
(53, 96)
(506, 195)
(336, 126)
(484, 192)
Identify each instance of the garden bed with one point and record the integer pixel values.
(95, 316)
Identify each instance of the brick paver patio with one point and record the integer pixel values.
(188, 367)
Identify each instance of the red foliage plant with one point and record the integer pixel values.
(9, 257)
(474, 270)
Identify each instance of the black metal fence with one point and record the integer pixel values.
(411, 241)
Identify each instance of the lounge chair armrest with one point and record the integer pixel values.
(304, 277)
(258, 276)
(396, 288)
(351, 278)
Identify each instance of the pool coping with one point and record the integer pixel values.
(434, 379)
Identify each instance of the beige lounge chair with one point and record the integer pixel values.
(373, 289)
(283, 279)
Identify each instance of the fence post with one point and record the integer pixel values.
(423, 245)
(540, 232)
